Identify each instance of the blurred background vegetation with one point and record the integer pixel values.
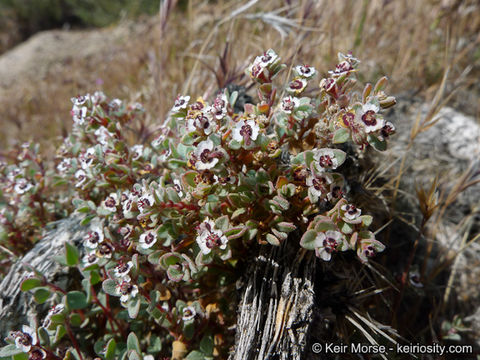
(152, 50)
(19, 19)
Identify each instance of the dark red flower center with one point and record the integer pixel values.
(330, 244)
(296, 84)
(126, 288)
(246, 131)
(326, 161)
(197, 106)
(369, 118)
(110, 202)
(348, 118)
(213, 240)
(149, 238)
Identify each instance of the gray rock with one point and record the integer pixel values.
(18, 308)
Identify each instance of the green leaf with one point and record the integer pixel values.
(59, 333)
(195, 355)
(43, 337)
(86, 220)
(21, 356)
(133, 343)
(281, 202)
(222, 223)
(155, 344)
(75, 319)
(133, 307)
(154, 257)
(188, 179)
(133, 355)
(273, 240)
(308, 240)
(109, 286)
(175, 273)
(238, 212)
(286, 226)
(172, 195)
(346, 228)
(71, 254)
(234, 145)
(339, 156)
(76, 300)
(41, 295)
(379, 145)
(366, 220)
(236, 232)
(110, 349)
(30, 283)
(341, 136)
(206, 344)
(9, 350)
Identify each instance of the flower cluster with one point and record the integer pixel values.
(171, 219)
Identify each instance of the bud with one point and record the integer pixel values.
(388, 102)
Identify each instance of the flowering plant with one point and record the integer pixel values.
(170, 220)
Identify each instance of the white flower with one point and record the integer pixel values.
(137, 151)
(145, 202)
(268, 58)
(305, 71)
(289, 103)
(204, 122)
(181, 102)
(87, 158)
(342, 68)
(296, 86)
(387, 130)
(22, 186)
(325, 158)
(327, 84)
(319, 185)
(90, 258)
(64, 165)
(206, 156)
(25, 339)
(98, 97)
(102, 134)
(115, 104)
(57, 309)
(126, 290)
(80, 100)
(122, 269)
(104, 250)
(79, 114)
(177, 185)
(158, 140)
(351, 214)
(208, 237)
(94, 238)
(128, 205)
(148, 239)
(111, 202)
(330, 242)
(81, 177)
(219, 107)
(368, 116)
(245, 131)
(188, 313)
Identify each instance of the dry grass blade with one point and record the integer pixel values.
(365, 333)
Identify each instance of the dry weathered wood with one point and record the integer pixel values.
(18, 308)
(276, 304)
